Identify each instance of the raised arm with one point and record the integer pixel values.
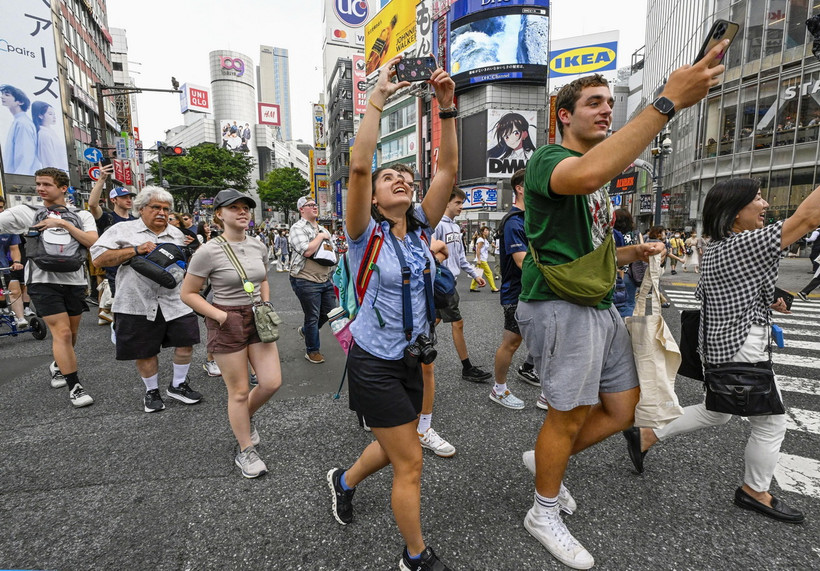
(359, 188)
(685, 87)
(804, 220)
(97, 190)
(435, 201)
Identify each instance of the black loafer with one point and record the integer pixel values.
(633, 445)
(779, 510)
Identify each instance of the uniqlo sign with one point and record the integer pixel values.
(194, 98)
(269, 114)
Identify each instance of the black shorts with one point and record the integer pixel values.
(17, 275)
(138, 338)
(386, 393)
(51, 299)
(510, 323)
(451, 313)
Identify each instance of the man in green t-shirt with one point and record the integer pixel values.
(580, 344)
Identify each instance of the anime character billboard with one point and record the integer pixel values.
(510, 141)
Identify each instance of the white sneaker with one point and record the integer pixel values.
(550, 530)
(113, 335)
(566, 502)
(79, 397)
(57, 378)
(432, 441)
(21, 323)
(250, 463)
(28, 312)
(212, 369)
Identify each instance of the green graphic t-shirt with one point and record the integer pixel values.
(561, 228)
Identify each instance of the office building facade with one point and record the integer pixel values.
(273, 79)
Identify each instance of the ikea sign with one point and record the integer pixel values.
(584, 60)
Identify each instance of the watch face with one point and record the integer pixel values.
(664, 105)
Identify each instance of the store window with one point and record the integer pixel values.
(809, 95)
(778, 196)
(748, 104)
(728, 123)
(764, 122)
(787, 118)
(802, 185)
(796, 25)
(775, 24)
(735, 55)
(754, 32)
(712, 131)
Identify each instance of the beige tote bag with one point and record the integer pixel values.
(656, 354)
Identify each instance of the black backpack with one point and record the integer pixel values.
(55, 249)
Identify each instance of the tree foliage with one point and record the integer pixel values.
(204, 171)
(282, 188)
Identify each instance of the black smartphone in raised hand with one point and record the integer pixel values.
(721, 30)
(416, 68)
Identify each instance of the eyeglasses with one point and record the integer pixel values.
(157, 208)
(310, 205)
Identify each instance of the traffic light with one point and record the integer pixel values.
(171, 150)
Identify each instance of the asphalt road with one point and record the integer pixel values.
(110, 487)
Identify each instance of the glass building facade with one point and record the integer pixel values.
(762, 121)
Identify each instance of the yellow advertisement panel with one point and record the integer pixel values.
(391, 32)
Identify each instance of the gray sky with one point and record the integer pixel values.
(173, 38)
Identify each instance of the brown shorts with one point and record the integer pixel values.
(238, 331)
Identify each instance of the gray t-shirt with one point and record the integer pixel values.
(210, 261)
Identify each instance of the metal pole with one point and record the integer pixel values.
(159, 165)
(101, 111)
(659, 190)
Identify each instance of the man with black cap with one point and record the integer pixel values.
(310, 279)
(147, 315)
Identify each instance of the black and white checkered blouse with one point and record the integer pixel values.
(738, 276)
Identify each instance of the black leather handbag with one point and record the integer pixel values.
(743, 389)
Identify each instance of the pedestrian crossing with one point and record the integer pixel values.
(801, 355)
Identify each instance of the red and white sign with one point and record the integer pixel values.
(122, 171)
(94, 173)
(359, 85)
(194, 98)
(269, 114)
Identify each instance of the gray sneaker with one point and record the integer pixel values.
(57, 378)
(254, 435)
(250, 463)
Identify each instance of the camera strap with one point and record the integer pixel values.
(406, 302)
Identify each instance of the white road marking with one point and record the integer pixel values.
(803, 420)
(798, 385)
(798, 474)
(796, 360)
(797, 344)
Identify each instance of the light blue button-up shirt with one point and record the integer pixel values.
(384, 291)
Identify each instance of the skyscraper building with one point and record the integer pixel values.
(273, 80)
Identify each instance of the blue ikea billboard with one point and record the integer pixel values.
(492, 40)
(583, 60)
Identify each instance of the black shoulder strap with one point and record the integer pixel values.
(507, 216)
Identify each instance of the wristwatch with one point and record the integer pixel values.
(664, 106)
(448, 112)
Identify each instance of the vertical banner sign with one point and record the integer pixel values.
(337, 187)
(424, 28)
(312, 181)
(119, 170)
(32, 131)
(646, 203)
(127, 175)
(391, 32)
(359, 85)
(320, 181)
(553, 119)
(122, 147)
(318, 126)
(665, 202)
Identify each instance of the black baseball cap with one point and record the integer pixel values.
(229, 196)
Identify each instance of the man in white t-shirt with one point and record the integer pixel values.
(58, 296)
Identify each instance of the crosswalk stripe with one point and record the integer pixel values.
(798, 474)
(803, 420)
(796, 344)
(796, 360)
(789, 333)
(798, 385)
(805, 309)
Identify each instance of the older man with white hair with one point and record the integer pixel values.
(148, 314)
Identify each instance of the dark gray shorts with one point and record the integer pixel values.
(578, 351)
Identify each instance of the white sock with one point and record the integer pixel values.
(500, 389)
(150, 382)
(543, 505)
(424, 422)
(180, 372)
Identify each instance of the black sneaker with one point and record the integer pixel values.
(802, 296)
(342, 500)
(183, 393)
(153, 402)
(475, 375)
(428, 561)
(529, 376)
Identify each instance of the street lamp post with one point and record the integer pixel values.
(661, 150)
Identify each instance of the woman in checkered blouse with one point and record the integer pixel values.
(739, 270)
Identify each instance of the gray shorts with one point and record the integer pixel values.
(578, 351)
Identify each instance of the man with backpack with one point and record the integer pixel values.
(58, 238)
(511, 251)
